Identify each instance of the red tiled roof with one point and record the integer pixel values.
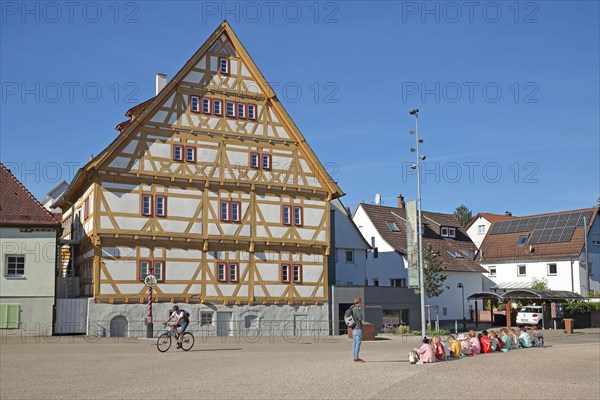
(18, 206)
(431, 235)
(503, 247)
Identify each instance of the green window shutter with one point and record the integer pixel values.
(9, 316)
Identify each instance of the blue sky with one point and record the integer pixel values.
(508, 92)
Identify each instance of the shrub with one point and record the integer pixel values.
(581, 307)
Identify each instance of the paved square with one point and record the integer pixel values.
(299, 368)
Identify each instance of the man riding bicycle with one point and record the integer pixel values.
(181, 320)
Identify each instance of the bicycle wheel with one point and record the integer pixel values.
(188, 341)
(164, 342)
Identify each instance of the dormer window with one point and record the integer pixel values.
(224, 65)
(448, 232)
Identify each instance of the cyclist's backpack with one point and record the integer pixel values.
(349, 318)
(186, 314)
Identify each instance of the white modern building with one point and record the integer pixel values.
(552, 247)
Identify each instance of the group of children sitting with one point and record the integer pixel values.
(434, 349)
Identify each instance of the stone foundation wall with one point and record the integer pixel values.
(219, 320)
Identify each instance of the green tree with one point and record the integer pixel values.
(433, 276)
(463, 215)
(540, 284)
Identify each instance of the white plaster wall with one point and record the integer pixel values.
(159, 149)
(36, 314)
(451, 298)
(366, 228)
(121, 269)
(39, 249)
(568, 277)
(477, 238)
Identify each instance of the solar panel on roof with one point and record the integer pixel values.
(545, 229)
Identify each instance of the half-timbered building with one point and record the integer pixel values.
(211, 187)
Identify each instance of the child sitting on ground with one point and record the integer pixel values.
(454, 346)
(537, 337)
(486, 342)
(494, 341)
(464, 344)
(524, 338)
(514, 338)
(474, 343)
(438, 348)
(506, 340)
(425, 352)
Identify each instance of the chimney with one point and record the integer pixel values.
(161, 82)
(401, 203)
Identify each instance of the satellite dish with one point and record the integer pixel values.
(377, 199)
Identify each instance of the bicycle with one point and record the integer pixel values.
(165, 340)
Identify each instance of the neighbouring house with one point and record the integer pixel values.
(549, 247)
(348, 257)
(28, 241)
(211, 188)
(53, 195)
(347, 264)
(480, 224)
(385, 229)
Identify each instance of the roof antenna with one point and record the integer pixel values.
(378, 199)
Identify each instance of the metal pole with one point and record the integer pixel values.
(420, 231)
(150, 325)
(462, 288)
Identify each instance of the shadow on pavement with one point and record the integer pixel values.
(236, 349)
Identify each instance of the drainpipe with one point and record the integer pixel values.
(572, 280)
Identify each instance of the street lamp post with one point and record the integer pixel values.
(417, 166)
(461, 286)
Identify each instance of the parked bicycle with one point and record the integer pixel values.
(166, 339)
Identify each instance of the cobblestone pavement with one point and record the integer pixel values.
(296, 368)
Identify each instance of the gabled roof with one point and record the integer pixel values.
(501, 246)
(18, 207)
(380, 215)
(145, 109)
(490, 217)
(348, 224)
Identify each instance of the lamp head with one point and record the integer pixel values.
(414, 111)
